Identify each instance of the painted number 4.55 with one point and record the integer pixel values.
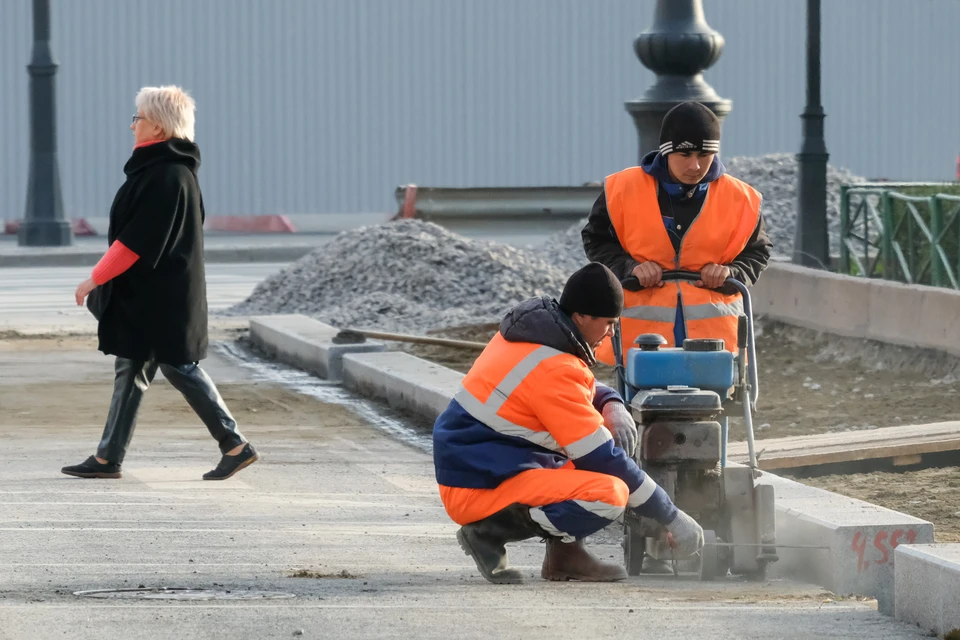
(883, 542)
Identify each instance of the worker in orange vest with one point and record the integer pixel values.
(525, 448)
(679, 211)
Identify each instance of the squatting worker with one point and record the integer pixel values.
(679, 210)
(152, 287)
(524, 449)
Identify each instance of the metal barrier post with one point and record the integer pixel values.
(936, 223)
(844, 228)
(886, 236)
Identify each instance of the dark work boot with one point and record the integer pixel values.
(484, 541)
(90, 468)
(572, 561)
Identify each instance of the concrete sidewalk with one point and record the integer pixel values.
(313, 230)
(41, 299)
(87, 250)
(332, 495)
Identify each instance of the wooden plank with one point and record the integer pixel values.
(904, 443)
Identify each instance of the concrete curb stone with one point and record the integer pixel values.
(928, 586)
(304, 343)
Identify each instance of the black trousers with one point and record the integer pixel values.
(132, 379)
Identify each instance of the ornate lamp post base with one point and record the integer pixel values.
(45, 233)
(678, 47)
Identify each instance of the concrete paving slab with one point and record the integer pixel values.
(928, 586)
(861, 539)
(305, 343)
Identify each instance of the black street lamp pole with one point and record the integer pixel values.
(678, 47)
(44, 224)
(811, 246)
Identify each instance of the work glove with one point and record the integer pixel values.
(620, 423)
(687, 534)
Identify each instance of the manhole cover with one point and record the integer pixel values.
(179, 593)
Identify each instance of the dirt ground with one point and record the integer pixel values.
(812, 383)
(84, 404)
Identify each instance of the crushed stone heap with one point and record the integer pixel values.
(413, 276)
(776, 176)
(408, 275)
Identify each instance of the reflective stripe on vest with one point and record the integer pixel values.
(705, 311)
(487, 412)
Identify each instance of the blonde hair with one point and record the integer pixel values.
(169, 106)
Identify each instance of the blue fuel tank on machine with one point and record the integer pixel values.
(703, 364)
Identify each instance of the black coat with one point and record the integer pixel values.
(158, 307)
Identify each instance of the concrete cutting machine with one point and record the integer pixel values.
(680, 398)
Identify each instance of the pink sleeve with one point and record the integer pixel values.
(115, 261)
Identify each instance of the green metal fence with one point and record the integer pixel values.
(909, 232)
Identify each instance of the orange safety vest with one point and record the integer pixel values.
(717, 235)
(507, 389)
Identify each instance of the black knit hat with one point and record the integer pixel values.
(593, 291)
(689, 126)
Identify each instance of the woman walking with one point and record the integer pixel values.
(151, 299)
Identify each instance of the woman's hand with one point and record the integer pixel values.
(84, 289)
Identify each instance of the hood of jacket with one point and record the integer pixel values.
(541, 321)
(655, 164)
(174, 150)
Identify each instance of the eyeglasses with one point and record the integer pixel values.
(136, 117)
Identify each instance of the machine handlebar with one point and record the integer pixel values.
(687, 276)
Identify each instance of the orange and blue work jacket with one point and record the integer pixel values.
(530, 401)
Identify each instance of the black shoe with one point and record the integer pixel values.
(229, 465)
(90, 468)
(484, 541)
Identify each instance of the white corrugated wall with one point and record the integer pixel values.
(327, 105)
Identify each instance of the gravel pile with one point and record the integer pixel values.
(776, 177)
(564, 249)
(414, 276)
(408, 276)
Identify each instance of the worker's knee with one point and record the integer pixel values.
(619, 493)
(575, 519)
